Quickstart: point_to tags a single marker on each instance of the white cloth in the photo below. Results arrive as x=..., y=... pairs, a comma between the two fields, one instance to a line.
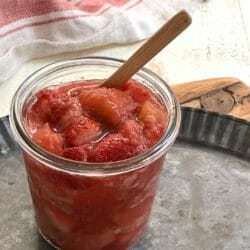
x=36, y=28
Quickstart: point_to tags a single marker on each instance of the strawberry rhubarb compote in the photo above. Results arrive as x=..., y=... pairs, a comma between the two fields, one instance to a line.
x=93, y=155
x=89, y=123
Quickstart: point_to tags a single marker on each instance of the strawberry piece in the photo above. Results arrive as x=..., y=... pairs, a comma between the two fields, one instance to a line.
x=82, y=132
x=116, y=147
x=139, y=93
x=48, y=139
x=154, y=119
x=65, y=111
x=42, y=106
x=109, y=105
x=133, y=130
x=52, y=106
x=77, y=153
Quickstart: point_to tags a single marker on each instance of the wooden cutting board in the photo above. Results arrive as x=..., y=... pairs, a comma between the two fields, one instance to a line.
x=226, y=95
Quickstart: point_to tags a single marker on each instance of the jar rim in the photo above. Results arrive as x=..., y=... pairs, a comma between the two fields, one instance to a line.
x=90, y=168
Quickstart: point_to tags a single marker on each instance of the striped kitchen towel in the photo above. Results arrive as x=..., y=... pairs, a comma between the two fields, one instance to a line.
x=36, y=28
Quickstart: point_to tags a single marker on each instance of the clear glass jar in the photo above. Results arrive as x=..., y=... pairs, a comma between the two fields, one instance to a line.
x=91, y=205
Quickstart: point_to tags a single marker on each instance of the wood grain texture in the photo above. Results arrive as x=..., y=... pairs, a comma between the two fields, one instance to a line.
x=149, y=49
x=223, y=95
x=191, y=90
x=218, y=101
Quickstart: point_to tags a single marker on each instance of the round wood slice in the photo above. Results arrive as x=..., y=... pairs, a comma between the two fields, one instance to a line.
x=224, y=95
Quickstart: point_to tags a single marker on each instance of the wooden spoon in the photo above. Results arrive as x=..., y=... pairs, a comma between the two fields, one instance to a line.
x=148, y=50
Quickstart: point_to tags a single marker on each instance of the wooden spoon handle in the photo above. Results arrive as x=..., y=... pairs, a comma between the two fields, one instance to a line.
x=156, y=43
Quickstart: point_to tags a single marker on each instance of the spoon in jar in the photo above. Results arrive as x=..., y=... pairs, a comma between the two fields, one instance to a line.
x=169, y=31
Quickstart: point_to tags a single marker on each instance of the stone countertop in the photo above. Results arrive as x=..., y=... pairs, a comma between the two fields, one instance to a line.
x=217, y=44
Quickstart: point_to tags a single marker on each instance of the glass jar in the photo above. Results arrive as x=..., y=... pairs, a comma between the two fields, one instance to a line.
x=91, y=205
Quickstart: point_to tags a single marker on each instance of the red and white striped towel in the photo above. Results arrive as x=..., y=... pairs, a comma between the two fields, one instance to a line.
x=36, y=28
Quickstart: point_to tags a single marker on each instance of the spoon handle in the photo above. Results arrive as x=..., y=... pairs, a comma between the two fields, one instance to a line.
x=149, y=49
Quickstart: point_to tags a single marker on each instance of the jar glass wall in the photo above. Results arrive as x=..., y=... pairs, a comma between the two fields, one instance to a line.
x=91, y=205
